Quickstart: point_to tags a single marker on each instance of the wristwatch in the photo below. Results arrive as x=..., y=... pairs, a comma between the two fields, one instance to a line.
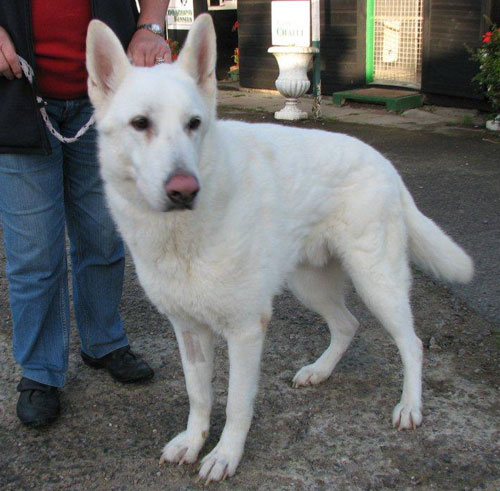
x=156, y=28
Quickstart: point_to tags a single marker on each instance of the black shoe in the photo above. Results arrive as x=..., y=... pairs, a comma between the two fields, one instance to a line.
x=38, y=404
x=122, y=364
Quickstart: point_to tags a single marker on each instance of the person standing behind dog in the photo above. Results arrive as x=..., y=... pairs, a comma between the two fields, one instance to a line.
x=48, y=186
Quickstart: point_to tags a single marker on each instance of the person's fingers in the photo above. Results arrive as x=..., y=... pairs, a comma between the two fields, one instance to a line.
x=5, y=69
x=138, y=58
x=168, y=57
x=9, y=64
x=165, y=54
x=150, y=54
x=11, y=57
x=159, y=57
x=156, y=50
x=146, y=48
x=137, y=49
x=136, y=55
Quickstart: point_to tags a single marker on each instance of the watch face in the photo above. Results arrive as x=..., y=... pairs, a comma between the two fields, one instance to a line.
x=153, y=28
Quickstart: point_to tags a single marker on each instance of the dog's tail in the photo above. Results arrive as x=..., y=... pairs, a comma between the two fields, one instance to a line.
x=431, y=248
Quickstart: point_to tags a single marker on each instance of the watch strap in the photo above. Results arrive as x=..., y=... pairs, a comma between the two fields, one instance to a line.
x=156, y=28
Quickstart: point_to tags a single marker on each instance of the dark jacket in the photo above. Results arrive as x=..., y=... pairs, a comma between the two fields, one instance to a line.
x=22, y=129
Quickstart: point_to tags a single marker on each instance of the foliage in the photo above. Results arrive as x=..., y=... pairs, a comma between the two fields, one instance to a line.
x=236, y=56
x=174, y=48
x=488, y=57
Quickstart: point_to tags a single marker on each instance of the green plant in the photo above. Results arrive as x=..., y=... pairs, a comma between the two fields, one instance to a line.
x=174, y=48
x=488, y=57
x=236, y=56
x=466, y=121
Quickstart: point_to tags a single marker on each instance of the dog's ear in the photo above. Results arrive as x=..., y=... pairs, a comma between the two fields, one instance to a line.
x=107, y=63
x=199, y=54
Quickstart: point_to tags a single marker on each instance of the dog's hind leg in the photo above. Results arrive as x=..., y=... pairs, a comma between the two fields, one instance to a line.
x=322, y=290
x=383, y=282
x=196, y=348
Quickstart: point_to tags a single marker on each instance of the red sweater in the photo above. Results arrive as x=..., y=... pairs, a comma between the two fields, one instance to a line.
x=59, y=31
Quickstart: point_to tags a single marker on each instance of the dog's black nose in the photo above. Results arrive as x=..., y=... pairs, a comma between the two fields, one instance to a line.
x=182, y=188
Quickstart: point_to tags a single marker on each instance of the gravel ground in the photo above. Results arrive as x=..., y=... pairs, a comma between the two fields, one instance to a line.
x=333, y=436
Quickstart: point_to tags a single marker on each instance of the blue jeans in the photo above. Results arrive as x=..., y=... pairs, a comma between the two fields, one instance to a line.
x=42, y=198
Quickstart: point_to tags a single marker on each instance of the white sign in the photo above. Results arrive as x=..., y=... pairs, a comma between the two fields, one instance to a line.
x=291, y=23
x=222, y=4
x=180, y=14
x=391, y=38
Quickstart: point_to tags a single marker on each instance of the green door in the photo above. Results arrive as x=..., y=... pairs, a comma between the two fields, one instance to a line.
x=394, y=42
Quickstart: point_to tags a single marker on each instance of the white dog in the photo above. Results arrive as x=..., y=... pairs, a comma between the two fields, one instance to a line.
x=220, y=215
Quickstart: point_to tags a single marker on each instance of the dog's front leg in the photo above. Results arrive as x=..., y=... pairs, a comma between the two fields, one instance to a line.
x=245, y=349
x=196, y=348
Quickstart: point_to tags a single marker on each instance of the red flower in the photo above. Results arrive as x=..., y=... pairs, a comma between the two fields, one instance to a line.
x=175, y=56
x=488, y=35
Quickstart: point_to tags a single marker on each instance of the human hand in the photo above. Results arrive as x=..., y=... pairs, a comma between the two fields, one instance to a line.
x=146, y=46
x=9, y=64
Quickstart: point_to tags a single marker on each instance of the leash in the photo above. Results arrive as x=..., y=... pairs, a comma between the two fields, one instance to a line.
x=29, y=74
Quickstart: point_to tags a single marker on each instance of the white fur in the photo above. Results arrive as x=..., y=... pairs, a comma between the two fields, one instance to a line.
x=277, y=205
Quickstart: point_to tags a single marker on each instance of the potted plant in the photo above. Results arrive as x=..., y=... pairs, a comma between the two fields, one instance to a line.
x=234, y=70
x=488, y=57
x=174, y=48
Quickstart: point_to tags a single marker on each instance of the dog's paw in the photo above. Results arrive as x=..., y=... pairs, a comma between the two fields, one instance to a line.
x=309, y=375
x=184, y=448
x=219, y=464
x=406, y=416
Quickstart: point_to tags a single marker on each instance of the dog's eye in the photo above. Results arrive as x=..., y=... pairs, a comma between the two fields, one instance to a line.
x=140, y=123
x=194, y=123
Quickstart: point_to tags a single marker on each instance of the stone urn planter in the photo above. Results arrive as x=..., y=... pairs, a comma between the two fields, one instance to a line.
x=292, y=82
x=494, y=124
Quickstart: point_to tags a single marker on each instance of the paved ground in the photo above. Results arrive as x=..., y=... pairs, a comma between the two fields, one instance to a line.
x=333, y=436
x=427, y=117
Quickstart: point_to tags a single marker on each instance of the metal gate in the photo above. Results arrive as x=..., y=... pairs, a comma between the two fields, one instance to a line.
x=397, y=42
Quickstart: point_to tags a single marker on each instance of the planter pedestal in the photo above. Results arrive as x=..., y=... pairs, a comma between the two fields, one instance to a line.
x=292, y=82
x=494, y=124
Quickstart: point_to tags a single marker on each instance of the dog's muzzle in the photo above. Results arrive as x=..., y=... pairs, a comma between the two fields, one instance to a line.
x=181, y=188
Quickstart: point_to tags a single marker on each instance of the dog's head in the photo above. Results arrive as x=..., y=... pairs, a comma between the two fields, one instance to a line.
x=152, y=121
